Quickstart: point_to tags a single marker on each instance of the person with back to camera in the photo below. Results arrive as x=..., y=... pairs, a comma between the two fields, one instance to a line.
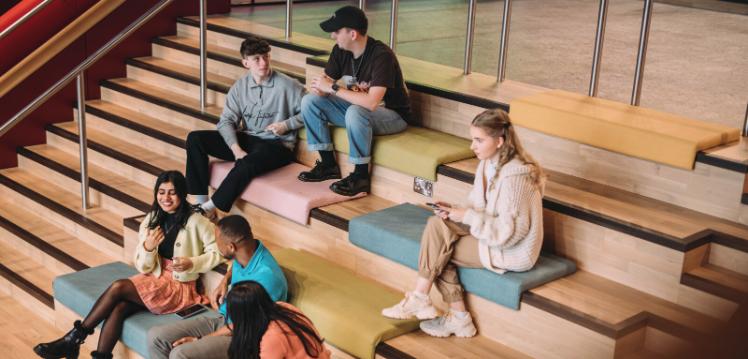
x=361, y=90
x=265, y=329
x=500, y=229
x=175, y=245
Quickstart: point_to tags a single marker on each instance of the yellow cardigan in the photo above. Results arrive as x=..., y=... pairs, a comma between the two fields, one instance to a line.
x=196, y=241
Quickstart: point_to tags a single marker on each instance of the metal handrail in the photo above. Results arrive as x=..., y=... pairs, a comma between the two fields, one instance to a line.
x=641, y=57
x=393, y=24
x=467, y=65
x=78, y=72
x=289, y=14
x=504, y=44
x=602, y=19
x=203, y=56
x=25, y=17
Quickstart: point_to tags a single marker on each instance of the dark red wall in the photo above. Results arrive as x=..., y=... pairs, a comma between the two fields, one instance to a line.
x=48, y=22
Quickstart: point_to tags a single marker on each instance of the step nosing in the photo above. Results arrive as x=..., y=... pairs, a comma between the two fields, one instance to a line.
x=196, y=51
x=42, y=245
x=145, y=130
x=705, y=158
x=27, y=286
x=104, y=150
x=76, y=176
x=707, y=285
x=62, y=210
x=189, y=78
x=177, y=107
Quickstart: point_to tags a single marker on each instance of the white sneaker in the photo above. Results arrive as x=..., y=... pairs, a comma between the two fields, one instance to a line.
x=450, y=324
x=411, y=306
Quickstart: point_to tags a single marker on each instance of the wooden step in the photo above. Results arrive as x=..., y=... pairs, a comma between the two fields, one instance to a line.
x=178, y=79
x=420, y=345
x=26, y=281
x=130, y=161
x=720, y=281
x=25, y=328
x=108, y=190
x=151, y=96
x=156, y=103
x=138, y=129
x=229, y=32
x=97, y=227
x=221, y=60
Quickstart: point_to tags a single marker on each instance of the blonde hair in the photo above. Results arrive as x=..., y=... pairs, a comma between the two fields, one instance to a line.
x=496, y=123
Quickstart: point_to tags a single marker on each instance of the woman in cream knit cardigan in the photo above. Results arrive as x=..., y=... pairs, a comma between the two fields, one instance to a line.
x=500, y=229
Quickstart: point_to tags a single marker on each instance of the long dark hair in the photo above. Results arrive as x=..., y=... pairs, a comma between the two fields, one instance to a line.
x=251, y=310
x=184, y=211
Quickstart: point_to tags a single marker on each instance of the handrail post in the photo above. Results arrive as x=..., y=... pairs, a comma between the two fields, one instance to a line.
x=83, y=142
x=602, y=19
x=642, y=56
x=468, y=64
x=203, y=56
x=289, y=5
x=362, y=4
x=393, y=25
x=506, y=19
x=745, y=122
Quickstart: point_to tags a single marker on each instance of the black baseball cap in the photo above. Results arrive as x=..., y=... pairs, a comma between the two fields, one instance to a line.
x=347, y=16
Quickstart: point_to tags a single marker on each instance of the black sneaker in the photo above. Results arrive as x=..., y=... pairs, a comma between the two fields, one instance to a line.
x=320, y=173
x=351, y=185
x=211, y=216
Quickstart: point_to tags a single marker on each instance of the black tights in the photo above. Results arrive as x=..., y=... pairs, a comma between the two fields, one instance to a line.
x=120, y=301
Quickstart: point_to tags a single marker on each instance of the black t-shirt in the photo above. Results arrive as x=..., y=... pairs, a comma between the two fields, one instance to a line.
x=377, y=66
x=170, y=227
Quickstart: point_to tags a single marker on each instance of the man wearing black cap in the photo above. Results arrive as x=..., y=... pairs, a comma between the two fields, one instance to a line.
x=362, y=90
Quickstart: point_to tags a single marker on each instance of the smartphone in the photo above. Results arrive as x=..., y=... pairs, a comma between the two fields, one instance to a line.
x=191, y=311
x=433, y=206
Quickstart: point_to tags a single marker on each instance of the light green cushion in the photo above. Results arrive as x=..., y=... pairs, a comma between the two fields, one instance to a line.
x=416, y=151
x=344, y=307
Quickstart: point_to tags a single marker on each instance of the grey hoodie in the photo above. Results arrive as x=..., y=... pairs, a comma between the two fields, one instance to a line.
x=250, y=108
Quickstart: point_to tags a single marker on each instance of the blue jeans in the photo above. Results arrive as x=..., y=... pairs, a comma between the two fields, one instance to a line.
x=360, y=123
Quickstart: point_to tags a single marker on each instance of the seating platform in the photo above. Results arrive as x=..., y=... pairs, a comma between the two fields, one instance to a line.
x=416, y=151
x=281, y=192
x=395, y=233
x=630, y=130
x=344, y=307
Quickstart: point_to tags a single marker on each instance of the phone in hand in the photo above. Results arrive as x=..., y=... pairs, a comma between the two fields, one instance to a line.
x=191, y=311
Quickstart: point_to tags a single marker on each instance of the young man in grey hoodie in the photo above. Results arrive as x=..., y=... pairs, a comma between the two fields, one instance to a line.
x=257, y=129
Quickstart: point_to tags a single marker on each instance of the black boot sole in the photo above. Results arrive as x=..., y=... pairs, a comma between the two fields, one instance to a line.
x=321, y=179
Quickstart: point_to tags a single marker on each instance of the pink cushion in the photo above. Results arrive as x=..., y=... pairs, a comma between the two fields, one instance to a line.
x=281, y=192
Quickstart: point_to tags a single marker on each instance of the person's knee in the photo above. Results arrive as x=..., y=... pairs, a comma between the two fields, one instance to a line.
x=193, y=139
x=311, y=100
x=356, y=117
x=179, y=352
x=119, y=287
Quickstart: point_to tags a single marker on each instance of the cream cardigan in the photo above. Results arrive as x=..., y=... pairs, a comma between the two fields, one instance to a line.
x=509, y=221
x=196, y=241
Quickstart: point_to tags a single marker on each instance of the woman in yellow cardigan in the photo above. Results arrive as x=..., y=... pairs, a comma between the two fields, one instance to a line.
x=175, y=246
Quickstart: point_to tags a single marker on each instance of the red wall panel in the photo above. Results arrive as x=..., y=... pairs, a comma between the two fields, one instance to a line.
x=38, y=29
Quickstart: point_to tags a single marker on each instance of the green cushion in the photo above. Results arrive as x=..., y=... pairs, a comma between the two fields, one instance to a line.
x=416, y=151
x=344, y=307
x=395, y=233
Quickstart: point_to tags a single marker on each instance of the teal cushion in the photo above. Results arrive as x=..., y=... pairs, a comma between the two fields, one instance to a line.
x=395, y=233
x=80, y=290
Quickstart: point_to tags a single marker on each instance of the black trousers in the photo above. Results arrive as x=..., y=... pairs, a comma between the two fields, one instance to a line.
x=262, y=156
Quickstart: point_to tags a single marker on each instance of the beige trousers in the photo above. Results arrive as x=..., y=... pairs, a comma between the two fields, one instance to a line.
x=444, y=246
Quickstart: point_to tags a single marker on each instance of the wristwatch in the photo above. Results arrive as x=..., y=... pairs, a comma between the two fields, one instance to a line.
x=335, y=87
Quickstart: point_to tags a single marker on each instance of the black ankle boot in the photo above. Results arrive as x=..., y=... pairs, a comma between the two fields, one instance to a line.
x=97, y=355
x=66, y=347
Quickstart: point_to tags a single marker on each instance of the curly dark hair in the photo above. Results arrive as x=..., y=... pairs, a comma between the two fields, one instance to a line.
x=254, y=46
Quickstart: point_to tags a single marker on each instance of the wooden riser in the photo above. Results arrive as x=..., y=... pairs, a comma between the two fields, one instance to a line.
x=285, y=56
x=728, y=258
x=175, y=86
x=72, y=185
x=149, y=109
x=187, y=59
x=26, y=281
x=90, y=236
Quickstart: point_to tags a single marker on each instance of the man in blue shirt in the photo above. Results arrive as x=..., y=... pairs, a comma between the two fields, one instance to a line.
x=206, y=337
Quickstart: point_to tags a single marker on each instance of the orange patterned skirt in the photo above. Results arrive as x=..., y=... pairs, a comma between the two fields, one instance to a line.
x=164, y=295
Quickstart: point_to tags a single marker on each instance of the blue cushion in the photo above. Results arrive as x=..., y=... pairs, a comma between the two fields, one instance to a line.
x=395, y=233
x=80, y=290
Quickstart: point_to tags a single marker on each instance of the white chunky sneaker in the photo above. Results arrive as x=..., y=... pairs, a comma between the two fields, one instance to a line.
x=450, y=324
x=411, y=306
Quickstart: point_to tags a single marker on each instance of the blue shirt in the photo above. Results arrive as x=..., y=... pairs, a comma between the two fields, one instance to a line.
x=263, y=269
